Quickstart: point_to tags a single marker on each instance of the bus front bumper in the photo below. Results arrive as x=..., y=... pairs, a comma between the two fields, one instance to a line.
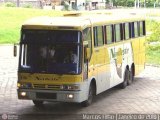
x=50, y=95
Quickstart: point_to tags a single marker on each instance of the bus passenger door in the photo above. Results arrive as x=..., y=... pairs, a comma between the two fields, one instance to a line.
x=88, y=69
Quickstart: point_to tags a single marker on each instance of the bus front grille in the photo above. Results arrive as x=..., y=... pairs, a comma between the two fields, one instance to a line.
x=45, y=86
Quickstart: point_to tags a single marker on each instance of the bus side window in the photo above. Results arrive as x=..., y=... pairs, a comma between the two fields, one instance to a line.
x=142, y=28
x=108, y=30
x=136, y=29
x=98, y=36
x=132, y=30
x=126, y=31
x=121, y=31
x=117, y=32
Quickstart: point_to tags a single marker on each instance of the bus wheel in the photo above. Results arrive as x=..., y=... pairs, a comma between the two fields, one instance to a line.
x=129, y=82
x=126, y=77
x=38, y=103
x=132, y=74
x=90, y=96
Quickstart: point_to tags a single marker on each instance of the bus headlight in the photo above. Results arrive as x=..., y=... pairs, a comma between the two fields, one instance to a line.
x=70, y=96
x=70, y=87
x=23, y=94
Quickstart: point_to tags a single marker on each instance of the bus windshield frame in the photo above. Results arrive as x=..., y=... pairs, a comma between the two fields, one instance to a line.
x=51, y=51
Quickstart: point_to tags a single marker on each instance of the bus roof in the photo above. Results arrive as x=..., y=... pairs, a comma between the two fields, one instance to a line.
x=78, y=22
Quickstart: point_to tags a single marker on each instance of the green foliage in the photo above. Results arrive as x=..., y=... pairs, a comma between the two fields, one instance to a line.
x=149, y=3
x=153, y=54
x=107, y=1
x=155, y=31
x=130, y=3
x=153, y=50
x=27, y=6
x=10, y=4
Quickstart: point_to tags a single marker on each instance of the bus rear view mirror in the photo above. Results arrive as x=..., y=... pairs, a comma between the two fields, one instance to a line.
x=15, y=50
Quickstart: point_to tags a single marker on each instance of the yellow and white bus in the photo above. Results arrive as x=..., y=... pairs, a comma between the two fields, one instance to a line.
x=75, y=57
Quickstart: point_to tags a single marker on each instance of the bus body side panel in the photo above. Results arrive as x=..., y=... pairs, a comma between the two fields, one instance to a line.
x=136, y=55
x=102, y=67
x=138, y=46
x=141, y=54
x=120, y=57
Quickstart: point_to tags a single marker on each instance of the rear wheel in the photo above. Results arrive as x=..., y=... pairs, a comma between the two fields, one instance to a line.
x=38, y=103
x=132, y=74
x=126, y=79
x=90, y=96
x=129, y=82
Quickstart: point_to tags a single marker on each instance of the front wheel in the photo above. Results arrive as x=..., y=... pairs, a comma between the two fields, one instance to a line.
x=90, y=97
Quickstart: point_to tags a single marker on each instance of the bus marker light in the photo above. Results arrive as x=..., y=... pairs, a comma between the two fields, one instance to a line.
x=18, y=85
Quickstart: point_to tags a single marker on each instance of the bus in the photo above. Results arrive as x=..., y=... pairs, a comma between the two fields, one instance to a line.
x=108, y=51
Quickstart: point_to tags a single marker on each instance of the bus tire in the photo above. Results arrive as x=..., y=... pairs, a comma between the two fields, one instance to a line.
x=129, y=82
x=125, y=81
x=38, y=103
x=132, y=74
x=90, y=96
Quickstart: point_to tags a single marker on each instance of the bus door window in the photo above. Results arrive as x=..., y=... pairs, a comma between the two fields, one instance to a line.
x=87, y=38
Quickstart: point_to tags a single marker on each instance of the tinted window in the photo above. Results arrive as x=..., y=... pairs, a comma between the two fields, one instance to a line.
x=142, y=28
x=126, y=30
x=117, y=32
x=109, y=34
x=136, y=29
x=98, y=36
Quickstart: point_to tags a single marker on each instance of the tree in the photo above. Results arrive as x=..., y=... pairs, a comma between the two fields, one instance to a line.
x=107, y=1
x=130, y=3
x=17, y=3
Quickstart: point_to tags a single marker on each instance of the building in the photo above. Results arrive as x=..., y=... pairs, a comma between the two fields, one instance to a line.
x=77, y=4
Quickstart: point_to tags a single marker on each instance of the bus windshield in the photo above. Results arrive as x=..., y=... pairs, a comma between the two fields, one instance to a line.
x=56, y=52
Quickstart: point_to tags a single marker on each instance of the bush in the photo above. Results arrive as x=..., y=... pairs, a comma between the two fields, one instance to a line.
x=28, y=6
x=153, y=48
x=10, y=4
x=155, y=31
